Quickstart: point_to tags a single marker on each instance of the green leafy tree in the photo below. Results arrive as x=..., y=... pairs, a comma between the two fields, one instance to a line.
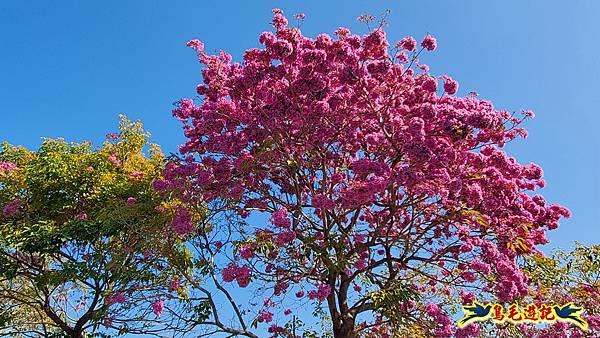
x=85, y=242
x=565, y=276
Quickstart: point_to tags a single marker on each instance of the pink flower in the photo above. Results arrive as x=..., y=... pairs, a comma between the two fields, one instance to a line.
x=429, y=43
x=117, y=297
x=175, y=284
x=182, y=222
x=450, y=86
x=432, y=309
x=196, y=45
x=158, y=307
x=280, y=218
x=287, y=312
x=375, y=44
x=160, y=185
x=429, y=85
x=265, y=316
x=408, y=43
x=6, y=167
x=11, y=208
x=137, y=174
x=322, y=201
x=360, y=238
x=468, y=276
x=402, y=58
x=246, y=252
x=471, y=330
x=277, y=331
x=416, y=127
x=480, y=266
x=285, y=238
x=279, y=21
x=321, y=293
x=82, y=216
x=268, y=302
x=233, y=272
x=466, y=247
x=337, y=177
x=280, y=288
x=114, y=160
x=300, y=294
x=360, y=264
x=467, y=297
x=243, y=277
x=131, y=201
x=342, y=32
x=229, y=272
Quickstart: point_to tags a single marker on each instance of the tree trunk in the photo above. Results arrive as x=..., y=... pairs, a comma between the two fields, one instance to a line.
x=345, y=330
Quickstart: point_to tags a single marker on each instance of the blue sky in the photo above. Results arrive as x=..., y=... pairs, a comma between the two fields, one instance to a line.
x=68, y=68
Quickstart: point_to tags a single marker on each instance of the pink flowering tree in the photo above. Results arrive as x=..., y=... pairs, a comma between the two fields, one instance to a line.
x=340, y=173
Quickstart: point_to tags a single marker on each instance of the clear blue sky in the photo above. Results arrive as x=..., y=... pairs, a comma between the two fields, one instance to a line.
x=67, y=68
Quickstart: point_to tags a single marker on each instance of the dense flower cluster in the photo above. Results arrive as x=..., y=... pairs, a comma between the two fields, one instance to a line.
x=158, y=307
x=265, y=316
x=408, y=43
x=175, y=284
x=429, y=43
x=450, y=85
x=321, y=293
x=182, y=222
x=11, y=208
x=241, y=274
x=115, y=298
x=6, y=167
x=444, y=324
x=131, y=201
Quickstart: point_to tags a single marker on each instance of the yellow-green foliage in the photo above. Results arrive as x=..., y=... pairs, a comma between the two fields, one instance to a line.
x=69, y=191
x=84, y=220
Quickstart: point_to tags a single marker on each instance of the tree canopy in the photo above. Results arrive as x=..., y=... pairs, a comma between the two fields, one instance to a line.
x=84, y=238
x=389, y=198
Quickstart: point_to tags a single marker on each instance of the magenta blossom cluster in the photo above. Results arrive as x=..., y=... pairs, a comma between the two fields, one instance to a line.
x=241, y=274
x=131, y=201
x=11, y=208
x=182, y=222
x=321, y=293
x=6, y=167
x=158, y=307
x=115, y=298
x=175, y=284
x=443, y=322
x=265, y=316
